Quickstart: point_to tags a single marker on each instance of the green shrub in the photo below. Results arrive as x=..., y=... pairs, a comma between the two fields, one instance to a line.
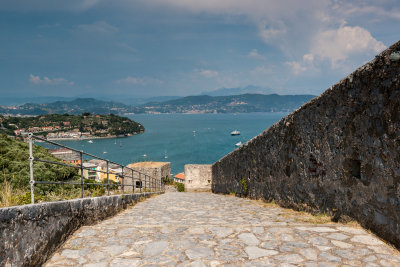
x=180, y=187
x=243, y=185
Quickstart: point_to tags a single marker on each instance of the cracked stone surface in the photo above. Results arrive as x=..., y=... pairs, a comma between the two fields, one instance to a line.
x=204, y=229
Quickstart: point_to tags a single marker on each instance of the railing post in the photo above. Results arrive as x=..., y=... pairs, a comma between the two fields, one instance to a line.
x=140, y=180
x=82, y=187
x=123, y=179
x=145, y=183
x=108, y=179
x=133, y=184
x=31, y=158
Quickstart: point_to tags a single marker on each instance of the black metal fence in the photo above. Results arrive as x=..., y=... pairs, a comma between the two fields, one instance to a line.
x=139, y=181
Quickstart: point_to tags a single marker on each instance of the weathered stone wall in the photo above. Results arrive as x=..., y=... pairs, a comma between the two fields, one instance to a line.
x=339, y=153
x=159, y=171
x=197, y=178
x=29, y=234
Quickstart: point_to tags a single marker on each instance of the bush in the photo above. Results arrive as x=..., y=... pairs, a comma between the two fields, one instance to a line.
x=180, y=187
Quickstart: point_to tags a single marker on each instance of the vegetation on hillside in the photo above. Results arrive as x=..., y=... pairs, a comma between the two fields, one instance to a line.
x=98, y=125
x=179, y=186
x=240, y=103
x=14, y=171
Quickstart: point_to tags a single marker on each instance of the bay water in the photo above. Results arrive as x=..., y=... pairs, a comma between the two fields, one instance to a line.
x=179, y=138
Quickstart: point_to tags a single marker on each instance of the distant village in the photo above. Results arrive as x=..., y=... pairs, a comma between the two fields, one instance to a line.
x=64, y=127
x=96, y=169
x=64, y=132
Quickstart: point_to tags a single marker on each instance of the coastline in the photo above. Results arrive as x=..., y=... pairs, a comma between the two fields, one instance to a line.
x=88, y=138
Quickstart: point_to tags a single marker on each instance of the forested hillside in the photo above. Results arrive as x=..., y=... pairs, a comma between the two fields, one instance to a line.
x=14, y=167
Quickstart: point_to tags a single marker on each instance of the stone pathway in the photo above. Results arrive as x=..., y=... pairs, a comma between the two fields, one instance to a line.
x=204, y=229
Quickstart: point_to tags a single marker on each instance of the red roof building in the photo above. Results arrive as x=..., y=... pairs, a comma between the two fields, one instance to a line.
x=180, y=177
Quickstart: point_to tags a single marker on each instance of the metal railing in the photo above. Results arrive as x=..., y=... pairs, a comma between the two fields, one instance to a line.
x=142, y=180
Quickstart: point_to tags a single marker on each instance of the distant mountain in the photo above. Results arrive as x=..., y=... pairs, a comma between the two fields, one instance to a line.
x=251, y=89
x=135, y=101
x=74, y=107
x=227, y=104
x=14, y=101
x=190, y=104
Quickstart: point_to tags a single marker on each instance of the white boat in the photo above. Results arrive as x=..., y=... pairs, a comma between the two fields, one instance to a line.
x=105, y=152
x=238, y=144
x=235, y=132
x=90, y=141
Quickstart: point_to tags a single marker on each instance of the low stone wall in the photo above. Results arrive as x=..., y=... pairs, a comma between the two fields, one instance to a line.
x=29, y=234
x=339, y=153
x=198, y=178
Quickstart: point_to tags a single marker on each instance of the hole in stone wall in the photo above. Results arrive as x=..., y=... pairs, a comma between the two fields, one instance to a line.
x=353, y=168
x=287, y=170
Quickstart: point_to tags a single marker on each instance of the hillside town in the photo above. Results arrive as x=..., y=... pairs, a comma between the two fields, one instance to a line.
x=70, y=127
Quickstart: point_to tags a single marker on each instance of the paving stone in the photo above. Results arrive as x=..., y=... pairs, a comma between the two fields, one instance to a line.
x=71, y=254
x=155, y=248
x=255, y=252
x=341, y=244
x=249, y=239
x=337, y=236
x=114, y=249
x=204, y=229
x=309, y=254
x=197, y=263
x=318, y=240
x=97, y=264
x=199, y=252
x=221, y=232
x=367, y=239
x=291, y=258
x=122, y=262
x=329, y=257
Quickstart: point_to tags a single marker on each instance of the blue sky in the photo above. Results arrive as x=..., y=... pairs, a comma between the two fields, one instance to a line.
x=185, y=47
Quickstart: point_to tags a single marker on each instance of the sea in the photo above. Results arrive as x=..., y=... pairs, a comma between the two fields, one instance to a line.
x=179, y=138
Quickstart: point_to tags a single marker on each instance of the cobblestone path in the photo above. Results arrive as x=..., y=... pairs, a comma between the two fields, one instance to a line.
x=204, y=229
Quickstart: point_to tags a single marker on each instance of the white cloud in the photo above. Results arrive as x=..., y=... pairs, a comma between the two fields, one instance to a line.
x=49, y=5
x=308, y=58
x=262, y=70
x=270, y=32
x=100, y=27
x=138, y=80
x=255, y=55
x=339, y=44
x=296, y=67
x=36, y=80
x=354, y=8
x=207, y=73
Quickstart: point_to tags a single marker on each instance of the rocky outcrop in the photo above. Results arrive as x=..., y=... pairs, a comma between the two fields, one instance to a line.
x=339, y=153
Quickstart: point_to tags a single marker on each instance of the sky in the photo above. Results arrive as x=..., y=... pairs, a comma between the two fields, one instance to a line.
x=144, y=48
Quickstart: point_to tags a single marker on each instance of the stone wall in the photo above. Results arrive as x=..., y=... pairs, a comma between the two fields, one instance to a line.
x=339, y=153
x=29, y=234
x=157, y=170
x=197, y=178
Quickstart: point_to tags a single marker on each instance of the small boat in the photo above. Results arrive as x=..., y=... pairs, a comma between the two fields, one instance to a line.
x=144, y=155
x=238, y=144
x=90, y=141
x=235, y=132
x=194, y=133
x=105, y=152
x=165, y=155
